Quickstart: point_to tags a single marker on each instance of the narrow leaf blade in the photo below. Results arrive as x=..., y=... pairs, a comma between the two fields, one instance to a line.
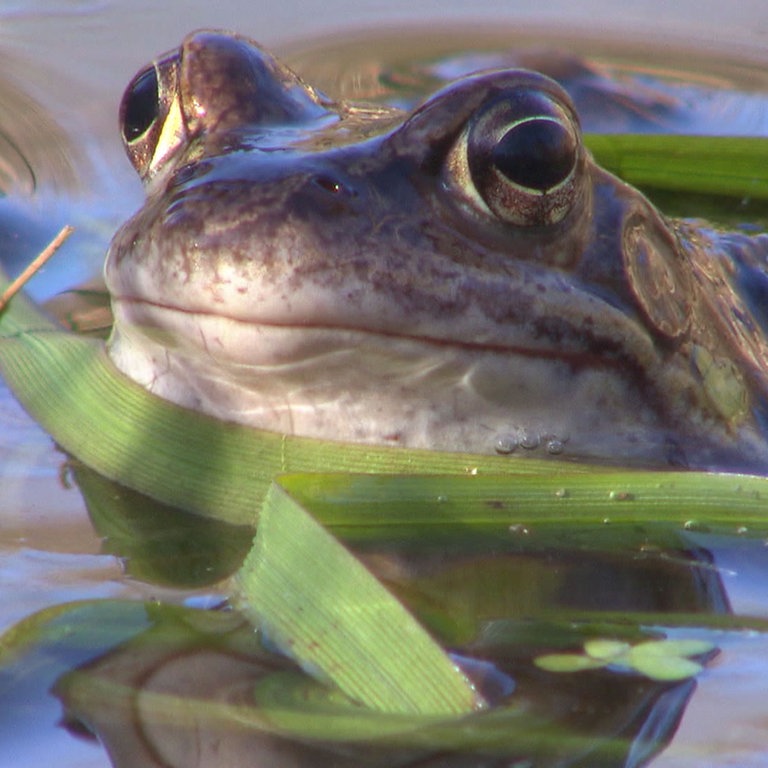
x=315, y=599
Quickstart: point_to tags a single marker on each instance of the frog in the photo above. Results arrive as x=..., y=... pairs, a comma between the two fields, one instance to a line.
x=459, y=275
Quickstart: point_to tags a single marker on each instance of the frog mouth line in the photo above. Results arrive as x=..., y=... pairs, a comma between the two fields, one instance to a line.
x=310, y=339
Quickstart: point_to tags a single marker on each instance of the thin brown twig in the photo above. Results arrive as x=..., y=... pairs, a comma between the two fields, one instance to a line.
x=34, y=265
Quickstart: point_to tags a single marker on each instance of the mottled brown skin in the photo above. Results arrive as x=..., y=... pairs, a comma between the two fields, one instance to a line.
x=321, y=268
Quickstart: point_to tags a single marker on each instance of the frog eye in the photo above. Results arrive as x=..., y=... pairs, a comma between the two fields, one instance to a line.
x=140, y=107
x=151, y=122
x=518, y=158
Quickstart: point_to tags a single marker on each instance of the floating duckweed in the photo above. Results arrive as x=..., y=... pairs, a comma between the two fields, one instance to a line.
x=662, y=660
x=678, y=646
x=567, y=662
x=663, y=668
x=668, y=659
x=601, y=648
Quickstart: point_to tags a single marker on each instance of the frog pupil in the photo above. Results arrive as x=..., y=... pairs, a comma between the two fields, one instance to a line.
x=538, y=153
x=140, y=108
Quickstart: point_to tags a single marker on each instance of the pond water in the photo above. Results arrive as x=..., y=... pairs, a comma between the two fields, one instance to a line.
x=63, y=67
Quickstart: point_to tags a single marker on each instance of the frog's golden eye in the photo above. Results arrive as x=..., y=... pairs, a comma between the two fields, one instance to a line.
x=518, y=158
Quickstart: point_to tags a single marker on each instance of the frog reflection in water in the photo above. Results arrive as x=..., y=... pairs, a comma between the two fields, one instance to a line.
x=463, y=277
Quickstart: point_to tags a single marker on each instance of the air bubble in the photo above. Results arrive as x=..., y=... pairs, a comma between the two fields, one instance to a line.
x=555, y=447
x=506, y=444
x=529, y=440
x=695, y=525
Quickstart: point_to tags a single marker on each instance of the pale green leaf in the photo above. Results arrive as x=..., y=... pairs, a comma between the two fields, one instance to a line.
x=605, y=650
x=673, y=647
x=664, y=668
x=568, y=662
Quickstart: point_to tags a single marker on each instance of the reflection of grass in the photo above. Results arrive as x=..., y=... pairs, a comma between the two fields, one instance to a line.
x=662, y=660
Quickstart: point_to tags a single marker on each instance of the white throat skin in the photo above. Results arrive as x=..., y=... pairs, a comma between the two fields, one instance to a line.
x=364, y=388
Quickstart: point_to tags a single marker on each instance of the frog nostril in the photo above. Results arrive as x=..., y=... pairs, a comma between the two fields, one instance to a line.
x=330, y=184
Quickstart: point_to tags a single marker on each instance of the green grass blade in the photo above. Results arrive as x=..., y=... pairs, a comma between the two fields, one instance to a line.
x=314, y=598
x=682, y=499
x=719, y=165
